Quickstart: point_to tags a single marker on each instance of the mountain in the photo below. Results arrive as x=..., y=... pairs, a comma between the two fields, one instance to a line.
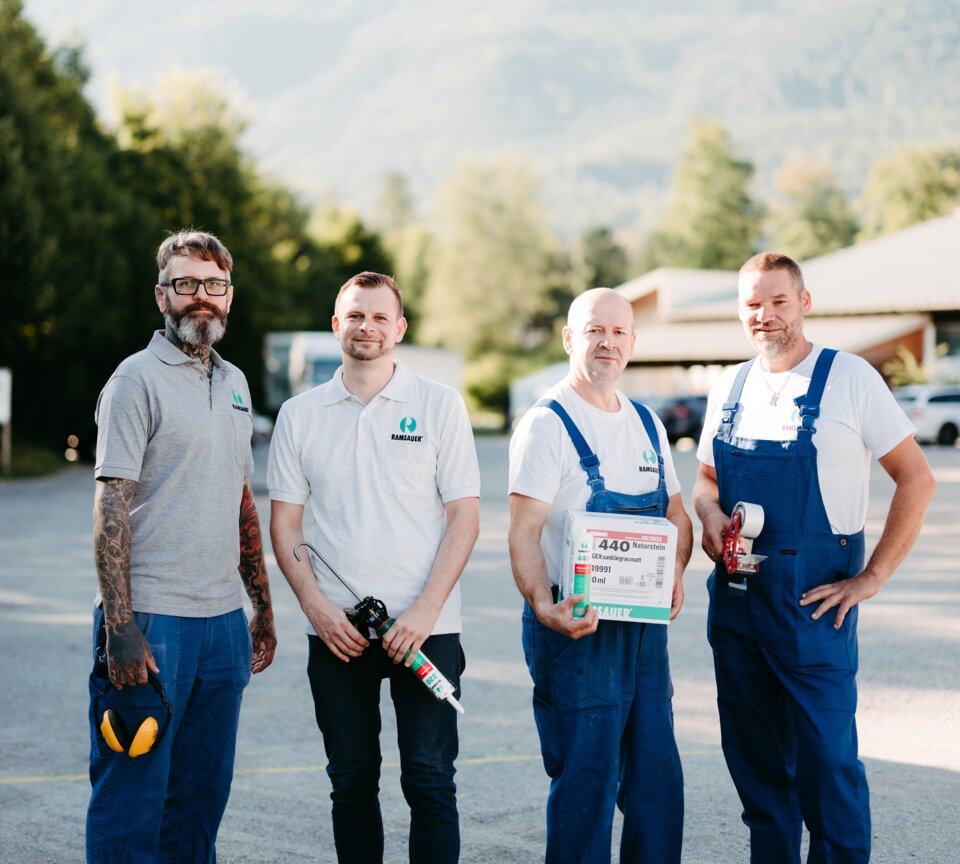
x=596, y=96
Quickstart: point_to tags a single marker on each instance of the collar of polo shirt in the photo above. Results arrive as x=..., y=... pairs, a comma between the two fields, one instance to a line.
x=166, y=351
x=399, y=388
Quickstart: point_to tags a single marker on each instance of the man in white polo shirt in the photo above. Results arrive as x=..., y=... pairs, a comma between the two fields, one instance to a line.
x=387, y=464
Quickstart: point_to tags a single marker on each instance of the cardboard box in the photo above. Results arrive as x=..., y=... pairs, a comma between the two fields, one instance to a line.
x=623, y=564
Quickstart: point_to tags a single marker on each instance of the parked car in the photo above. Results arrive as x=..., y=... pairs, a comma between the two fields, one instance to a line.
x=682, y=416
x=934, y=410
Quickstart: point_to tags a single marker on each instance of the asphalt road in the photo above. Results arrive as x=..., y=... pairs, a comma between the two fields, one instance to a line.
x=909, y=715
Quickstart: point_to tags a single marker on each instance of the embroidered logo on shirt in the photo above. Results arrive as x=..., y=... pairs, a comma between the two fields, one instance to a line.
x=407, y=425
x=238, y=402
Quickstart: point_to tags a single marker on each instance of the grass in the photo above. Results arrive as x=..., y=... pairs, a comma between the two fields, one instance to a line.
x=27, y=460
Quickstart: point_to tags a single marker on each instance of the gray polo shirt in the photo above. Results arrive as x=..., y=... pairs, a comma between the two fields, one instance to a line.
x=185, y=440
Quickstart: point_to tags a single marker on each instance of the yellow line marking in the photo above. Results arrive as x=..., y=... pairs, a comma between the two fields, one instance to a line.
x=23, y=779
x=42, y=778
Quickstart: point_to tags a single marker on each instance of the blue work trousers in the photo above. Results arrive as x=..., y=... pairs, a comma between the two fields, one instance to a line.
x=603, y=708
x=346, y=699
x=166, y=805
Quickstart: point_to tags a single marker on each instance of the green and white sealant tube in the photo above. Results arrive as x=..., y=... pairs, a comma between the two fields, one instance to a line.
x=582, y=571
x=432, y=678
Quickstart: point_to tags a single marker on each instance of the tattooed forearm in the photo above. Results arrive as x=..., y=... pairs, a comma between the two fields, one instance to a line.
x=253, y=571
x=127, y=650
x=112, y=546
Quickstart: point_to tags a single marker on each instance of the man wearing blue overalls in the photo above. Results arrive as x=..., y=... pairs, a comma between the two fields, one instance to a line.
x=793, y=431
x=602, y=696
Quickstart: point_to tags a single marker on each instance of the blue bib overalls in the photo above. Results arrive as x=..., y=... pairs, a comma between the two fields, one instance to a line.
x=786, y=684
x=602, y=706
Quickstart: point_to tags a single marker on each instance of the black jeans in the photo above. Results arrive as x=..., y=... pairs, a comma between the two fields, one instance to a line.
x=346, y=698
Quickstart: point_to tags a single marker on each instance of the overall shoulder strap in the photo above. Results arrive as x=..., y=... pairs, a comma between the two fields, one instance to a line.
x=809, y=402
x=732, y=403
x=649, y=426
x=651, y=429
x=589, y=460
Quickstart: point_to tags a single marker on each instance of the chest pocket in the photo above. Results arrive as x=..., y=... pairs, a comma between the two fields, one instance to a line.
x=409, y=470
x=243, y=435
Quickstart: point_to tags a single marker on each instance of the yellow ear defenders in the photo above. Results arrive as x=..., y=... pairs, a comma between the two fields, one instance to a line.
x=114, y=731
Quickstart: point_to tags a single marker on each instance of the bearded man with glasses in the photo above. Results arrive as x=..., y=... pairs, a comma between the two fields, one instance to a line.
x=177, y=542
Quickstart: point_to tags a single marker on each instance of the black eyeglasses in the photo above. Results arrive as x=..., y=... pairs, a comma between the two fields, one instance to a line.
x=189, y=286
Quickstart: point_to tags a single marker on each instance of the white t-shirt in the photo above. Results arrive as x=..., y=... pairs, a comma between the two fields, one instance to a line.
x=375, y=479
x=858, y=416
x=544, y=463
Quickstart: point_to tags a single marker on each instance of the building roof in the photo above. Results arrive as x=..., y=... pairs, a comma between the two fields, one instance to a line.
x=725, y=342
x=913, y=270
x=678, y=287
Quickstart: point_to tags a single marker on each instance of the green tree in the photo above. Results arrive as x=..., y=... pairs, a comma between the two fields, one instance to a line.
x=916, y=183
x=349, y=246
x=812, y=216
x=711, y=222
x=68, y=234
x=604, y=261
x=407, y=242
x=183, y=156
x=494, y=286
x=395, y=208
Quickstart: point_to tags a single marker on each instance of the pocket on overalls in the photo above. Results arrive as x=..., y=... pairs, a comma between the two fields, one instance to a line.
x=813, y=643
x=729, y=608
x=585, y=672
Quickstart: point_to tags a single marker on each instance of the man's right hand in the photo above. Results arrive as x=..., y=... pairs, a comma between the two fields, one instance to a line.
x=559, y=617
x=128, y=655
x=714, y=522
x=706, y=501
x=332, y=625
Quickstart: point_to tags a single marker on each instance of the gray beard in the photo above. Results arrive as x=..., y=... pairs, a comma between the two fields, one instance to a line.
x=197, y=333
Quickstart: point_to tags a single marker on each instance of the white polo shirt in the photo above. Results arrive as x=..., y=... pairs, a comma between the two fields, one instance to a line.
x=374, y=479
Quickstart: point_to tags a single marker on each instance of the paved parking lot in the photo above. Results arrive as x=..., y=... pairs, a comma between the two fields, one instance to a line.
x=279, y=811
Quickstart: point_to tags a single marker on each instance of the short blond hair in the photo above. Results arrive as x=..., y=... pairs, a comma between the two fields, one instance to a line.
x=369, y=279
x=766, y=262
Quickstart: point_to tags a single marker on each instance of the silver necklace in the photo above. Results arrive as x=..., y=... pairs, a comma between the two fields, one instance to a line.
x=774, y=394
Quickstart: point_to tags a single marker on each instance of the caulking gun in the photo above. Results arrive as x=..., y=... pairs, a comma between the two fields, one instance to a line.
x=370, y=612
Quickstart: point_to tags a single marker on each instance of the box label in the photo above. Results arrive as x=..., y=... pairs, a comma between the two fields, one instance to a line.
x=622, y=565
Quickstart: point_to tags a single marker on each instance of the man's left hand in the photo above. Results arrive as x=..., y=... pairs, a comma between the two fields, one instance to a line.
x=409, y=631
x=676, y=602
x=844, y=594
x=264, y=637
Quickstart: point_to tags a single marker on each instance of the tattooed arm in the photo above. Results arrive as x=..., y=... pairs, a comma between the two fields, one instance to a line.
x=128, y=654
x=253, y=572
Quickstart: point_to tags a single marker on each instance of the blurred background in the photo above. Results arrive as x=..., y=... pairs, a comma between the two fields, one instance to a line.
x=497, y=158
